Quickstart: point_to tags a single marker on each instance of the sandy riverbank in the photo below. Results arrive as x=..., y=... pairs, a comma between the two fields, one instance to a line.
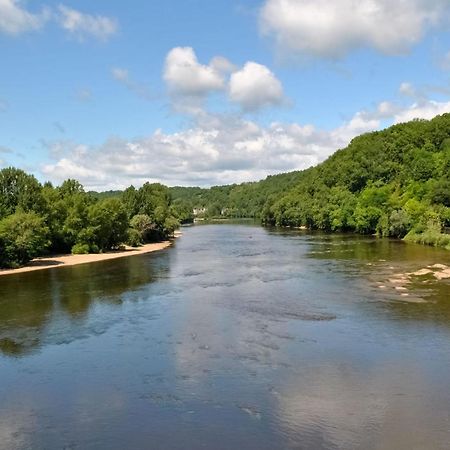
x=52, y=262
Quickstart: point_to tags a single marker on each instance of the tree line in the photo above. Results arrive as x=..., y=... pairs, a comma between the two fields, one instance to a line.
x=40, y=219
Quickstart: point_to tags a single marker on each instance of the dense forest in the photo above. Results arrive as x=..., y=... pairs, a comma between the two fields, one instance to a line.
x=394, y=182
x=37, y=219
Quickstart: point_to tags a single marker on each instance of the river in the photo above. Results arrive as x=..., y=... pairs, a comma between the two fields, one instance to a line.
x=236, y=337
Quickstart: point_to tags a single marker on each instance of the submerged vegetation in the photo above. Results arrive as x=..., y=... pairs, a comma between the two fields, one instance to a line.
x=394, y=182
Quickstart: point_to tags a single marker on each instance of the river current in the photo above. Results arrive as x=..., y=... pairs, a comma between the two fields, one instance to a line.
x=236, y=337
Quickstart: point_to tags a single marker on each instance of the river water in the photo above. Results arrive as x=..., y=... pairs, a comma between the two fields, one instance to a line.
x=237, y=337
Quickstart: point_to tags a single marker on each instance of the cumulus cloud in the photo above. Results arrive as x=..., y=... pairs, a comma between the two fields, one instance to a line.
x=185, y=76
x=215, y=150
x=423, y=110
x=222, y=65
x=84, y=25
x=220, y=149
x=15, y=19
x=189, y=82
x=323, y=28
x=254, y=87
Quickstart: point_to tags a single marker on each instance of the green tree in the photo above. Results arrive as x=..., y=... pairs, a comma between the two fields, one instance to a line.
x=18, y=190
x=143, y=226
x=23, y=236
x=108, y=222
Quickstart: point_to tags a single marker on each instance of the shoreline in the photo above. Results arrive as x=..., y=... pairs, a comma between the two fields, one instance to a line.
x=53, y=262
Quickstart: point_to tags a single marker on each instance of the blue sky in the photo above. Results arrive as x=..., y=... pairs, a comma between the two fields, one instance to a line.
x=198, y=92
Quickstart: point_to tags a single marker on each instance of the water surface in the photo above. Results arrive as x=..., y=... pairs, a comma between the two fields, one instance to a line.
x=237, y=337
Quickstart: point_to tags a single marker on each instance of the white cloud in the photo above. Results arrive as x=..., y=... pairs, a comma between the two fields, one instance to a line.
x=215, y=150
x=254, y=87
x=222, y=65
x=407, y=89
x=185, y=76
x=424, y=110
x=219, y=149
x=84, y=25
x=15, y=19
x=323, y=28
x=189, y=82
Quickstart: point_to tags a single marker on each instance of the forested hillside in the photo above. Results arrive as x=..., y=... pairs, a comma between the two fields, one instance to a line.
x=237, y=200
x=392, y=182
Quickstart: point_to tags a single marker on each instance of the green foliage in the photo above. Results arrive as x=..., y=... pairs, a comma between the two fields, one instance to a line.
x=67, y=219
x=18, y=190
x=170, y=225
x=399, y=223
x=391, y=182
x=22, y=237
x=134, y=238
x=109, y=224
x=80, y=249
x=143, y=227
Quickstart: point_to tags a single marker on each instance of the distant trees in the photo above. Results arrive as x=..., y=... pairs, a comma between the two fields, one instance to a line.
x=36, y=219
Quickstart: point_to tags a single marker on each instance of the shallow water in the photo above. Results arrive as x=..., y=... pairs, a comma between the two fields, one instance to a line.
x=236, y=337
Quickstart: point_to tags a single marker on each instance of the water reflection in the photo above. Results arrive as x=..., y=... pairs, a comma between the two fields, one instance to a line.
x=391, y=406
x=236, y=337
x=31, y=304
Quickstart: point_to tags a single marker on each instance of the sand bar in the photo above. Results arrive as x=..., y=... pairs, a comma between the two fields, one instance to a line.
x=52, y=262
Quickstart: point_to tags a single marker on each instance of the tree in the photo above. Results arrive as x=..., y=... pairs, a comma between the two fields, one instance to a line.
x=23, y=236
x=18, y=190
x=143, y=225
x=108, y=222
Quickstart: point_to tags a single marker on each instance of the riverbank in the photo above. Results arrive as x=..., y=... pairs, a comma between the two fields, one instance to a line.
x=51, y=262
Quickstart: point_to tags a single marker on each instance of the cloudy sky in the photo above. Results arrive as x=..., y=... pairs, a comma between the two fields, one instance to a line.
x=201, y=92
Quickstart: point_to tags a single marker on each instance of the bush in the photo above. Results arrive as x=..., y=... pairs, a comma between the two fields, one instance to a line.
x=400, y=223
x=23, y=236
x=429, y=237
x=80, y=249
x=134, y=238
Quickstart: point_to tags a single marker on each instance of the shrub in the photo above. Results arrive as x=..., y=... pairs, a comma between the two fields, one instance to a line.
x=134, y=238
x=80, y=249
